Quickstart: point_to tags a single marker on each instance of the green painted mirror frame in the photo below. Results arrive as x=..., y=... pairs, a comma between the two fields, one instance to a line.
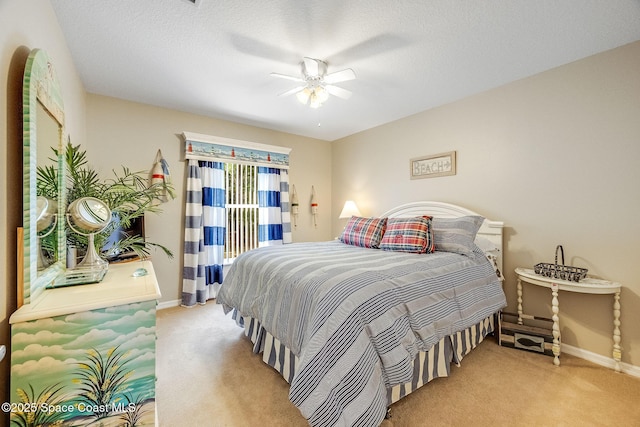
x=41, y=88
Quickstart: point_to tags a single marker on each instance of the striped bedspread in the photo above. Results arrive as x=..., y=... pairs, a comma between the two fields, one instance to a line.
x=356, y=317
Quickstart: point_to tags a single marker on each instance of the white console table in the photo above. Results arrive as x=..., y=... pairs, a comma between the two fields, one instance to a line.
x=587, y=285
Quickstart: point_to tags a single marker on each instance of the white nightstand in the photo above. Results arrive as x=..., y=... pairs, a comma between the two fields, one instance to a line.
x=587, y=285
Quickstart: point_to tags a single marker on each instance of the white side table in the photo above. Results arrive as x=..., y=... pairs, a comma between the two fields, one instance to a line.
x=587, y=285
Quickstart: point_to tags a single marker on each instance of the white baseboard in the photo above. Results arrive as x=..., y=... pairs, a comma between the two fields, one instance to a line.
x=168, y=304
x=598, y=359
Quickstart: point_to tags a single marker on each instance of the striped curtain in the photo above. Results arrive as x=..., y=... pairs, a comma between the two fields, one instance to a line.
x=274, y=216
x=204, y=232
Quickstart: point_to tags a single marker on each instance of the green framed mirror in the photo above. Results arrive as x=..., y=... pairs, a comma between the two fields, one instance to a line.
x=43, y=132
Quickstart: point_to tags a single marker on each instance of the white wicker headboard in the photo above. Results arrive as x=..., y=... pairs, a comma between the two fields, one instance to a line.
x=490, y=230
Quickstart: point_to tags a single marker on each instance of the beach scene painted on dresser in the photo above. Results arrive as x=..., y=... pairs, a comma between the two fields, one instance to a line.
x=93, y=368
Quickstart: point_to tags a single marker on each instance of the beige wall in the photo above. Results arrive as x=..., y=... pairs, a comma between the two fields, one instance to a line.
x=24, y=25
x=129, y=134
x=555, y=156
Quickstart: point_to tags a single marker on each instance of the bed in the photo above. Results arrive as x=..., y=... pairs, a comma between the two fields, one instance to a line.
x=354, y=328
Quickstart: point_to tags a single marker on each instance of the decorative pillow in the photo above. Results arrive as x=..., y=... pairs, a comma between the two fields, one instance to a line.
x=491, y=251
x=408, y=235
x=456, y=234
x=364, y=232
x=486, y=245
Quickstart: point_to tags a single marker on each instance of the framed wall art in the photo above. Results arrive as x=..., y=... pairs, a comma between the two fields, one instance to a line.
x=432, y=166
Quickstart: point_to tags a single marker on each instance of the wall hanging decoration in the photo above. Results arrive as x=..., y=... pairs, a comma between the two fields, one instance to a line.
x=314, y=207
x=295, y=206
x=160, y=175
x=432, y=166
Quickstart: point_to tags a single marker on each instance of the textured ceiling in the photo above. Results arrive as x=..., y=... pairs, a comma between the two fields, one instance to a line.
x=215, y=58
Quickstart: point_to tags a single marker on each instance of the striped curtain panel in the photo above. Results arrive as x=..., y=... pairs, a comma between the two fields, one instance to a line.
x=285, y=206
x=204, y=232
x=274, y=217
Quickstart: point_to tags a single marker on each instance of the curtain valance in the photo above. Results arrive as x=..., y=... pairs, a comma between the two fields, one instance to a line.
x=214, y=148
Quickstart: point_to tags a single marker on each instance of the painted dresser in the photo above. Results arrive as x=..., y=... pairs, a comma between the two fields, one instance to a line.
x=85, y=355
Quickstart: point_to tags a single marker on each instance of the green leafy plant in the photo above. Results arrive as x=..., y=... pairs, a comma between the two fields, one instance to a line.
x=128, y=194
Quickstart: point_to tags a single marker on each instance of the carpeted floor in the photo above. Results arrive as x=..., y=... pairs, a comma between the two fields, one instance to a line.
x=208, y=376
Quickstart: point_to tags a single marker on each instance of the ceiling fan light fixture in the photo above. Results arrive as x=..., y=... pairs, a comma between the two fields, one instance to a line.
x=317, y=96
x=304, y=95
x=314, y=100
x=317, y=84
x=321, y=94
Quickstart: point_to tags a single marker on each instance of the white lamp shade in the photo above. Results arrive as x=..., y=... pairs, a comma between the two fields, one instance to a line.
x=350, y=209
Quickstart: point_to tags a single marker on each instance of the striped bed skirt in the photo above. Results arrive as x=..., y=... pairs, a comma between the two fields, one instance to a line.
x=427, y=365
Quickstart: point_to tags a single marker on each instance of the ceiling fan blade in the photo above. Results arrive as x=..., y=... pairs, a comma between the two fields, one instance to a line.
x=285, y=76
x=292, y=91
x=338, y=91
x=340, y=76
x=311, y=66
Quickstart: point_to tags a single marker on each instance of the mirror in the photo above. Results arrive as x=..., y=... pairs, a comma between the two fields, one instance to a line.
x=47, y=130
x=46, y=220
x=88, y=216
x=43, y=129
x=46, y=214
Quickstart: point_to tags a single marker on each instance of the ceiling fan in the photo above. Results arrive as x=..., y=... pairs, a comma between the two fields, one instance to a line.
x=317, y=84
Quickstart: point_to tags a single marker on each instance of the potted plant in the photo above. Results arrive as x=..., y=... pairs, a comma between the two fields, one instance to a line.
x=128, y=194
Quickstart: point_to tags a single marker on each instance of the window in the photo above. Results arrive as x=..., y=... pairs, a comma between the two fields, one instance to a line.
x=241, y=210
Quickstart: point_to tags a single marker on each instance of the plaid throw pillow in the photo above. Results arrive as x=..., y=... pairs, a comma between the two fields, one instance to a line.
x=408, y=235
x=364, y=232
